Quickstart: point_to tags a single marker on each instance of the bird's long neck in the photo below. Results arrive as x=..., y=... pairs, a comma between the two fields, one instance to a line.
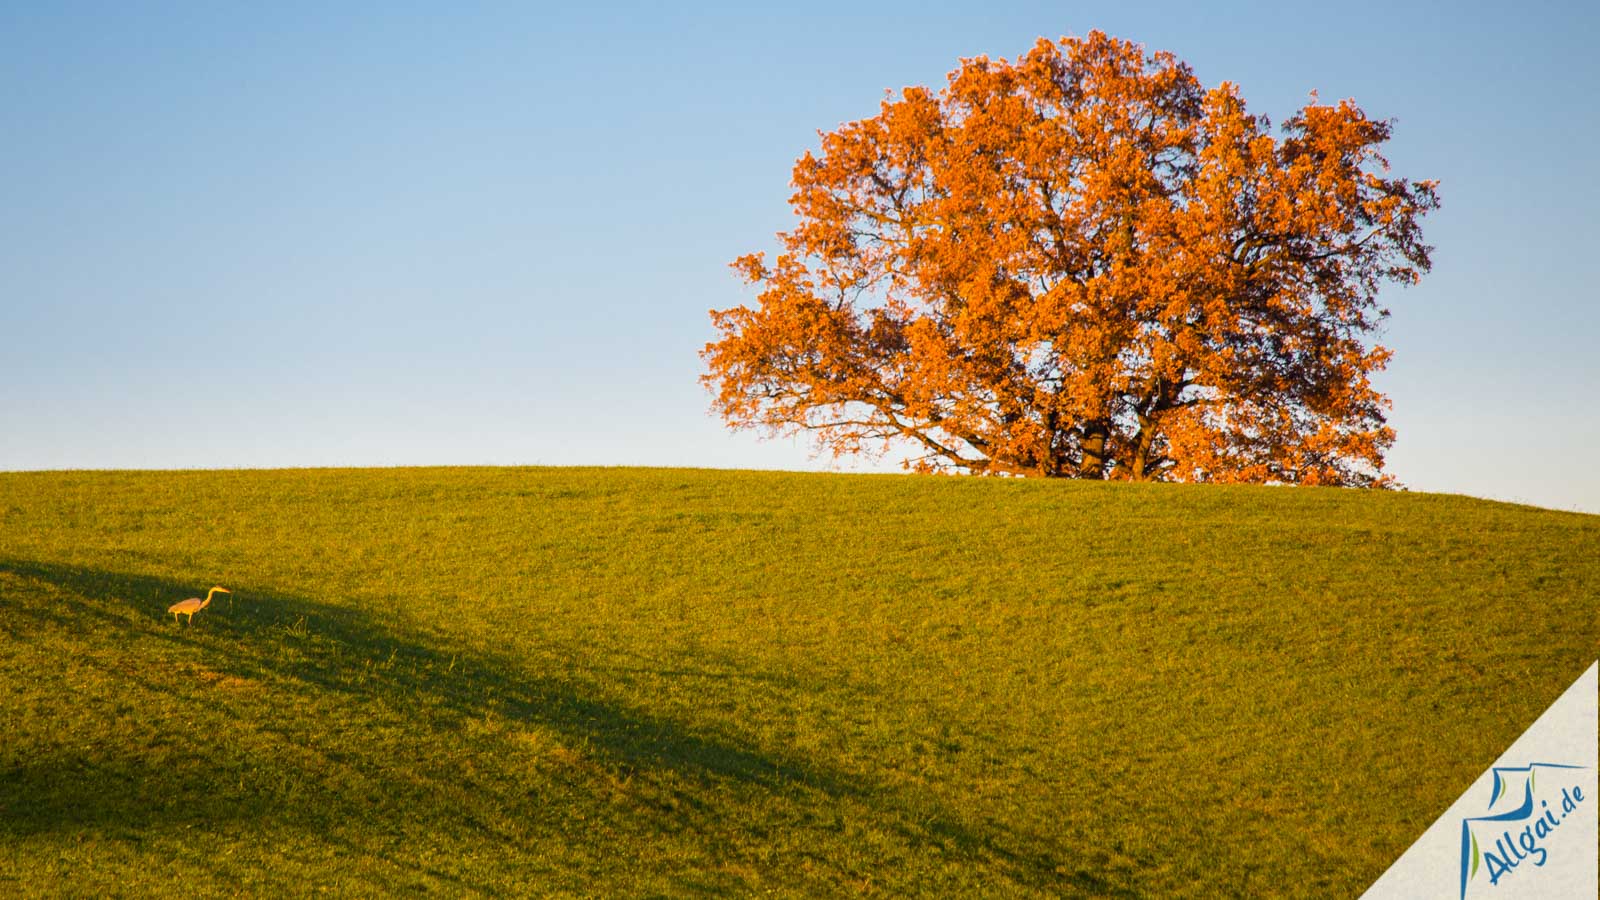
x=207, y=602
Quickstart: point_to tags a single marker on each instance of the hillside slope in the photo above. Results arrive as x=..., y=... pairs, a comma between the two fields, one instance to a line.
x=636, y=681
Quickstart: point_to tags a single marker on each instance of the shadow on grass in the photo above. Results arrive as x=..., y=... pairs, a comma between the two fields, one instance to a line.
x=338, y=649
x=379, y=677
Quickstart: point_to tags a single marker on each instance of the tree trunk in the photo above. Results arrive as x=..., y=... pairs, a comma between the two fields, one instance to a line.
x=1141, y=449
x=1094, y=452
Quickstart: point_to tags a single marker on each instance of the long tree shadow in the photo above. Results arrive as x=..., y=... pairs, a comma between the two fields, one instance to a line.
x=311, y=651
x=340, y=649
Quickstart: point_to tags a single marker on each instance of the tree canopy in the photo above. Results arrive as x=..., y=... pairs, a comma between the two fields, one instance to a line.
x=1083, y=264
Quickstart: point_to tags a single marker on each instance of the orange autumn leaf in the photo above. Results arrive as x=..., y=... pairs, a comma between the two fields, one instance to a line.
x=1083, y=264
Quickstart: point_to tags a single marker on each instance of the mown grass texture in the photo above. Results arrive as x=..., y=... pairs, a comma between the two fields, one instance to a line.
x=679, y=682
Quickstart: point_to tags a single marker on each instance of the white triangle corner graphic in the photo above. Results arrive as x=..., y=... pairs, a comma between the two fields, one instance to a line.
x=1528, y=827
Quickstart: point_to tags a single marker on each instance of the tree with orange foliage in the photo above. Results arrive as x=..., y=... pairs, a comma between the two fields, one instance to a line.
x=1083, y=264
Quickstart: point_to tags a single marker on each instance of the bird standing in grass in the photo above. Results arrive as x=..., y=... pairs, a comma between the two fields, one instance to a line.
x=194, y=604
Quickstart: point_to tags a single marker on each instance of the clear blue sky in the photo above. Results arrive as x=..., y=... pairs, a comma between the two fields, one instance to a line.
x=271, y=234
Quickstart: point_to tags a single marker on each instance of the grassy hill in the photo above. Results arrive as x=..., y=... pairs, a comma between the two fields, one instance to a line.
x=636, y=682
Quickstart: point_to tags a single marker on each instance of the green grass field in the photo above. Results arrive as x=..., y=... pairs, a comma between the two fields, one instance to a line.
x=674, y=682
